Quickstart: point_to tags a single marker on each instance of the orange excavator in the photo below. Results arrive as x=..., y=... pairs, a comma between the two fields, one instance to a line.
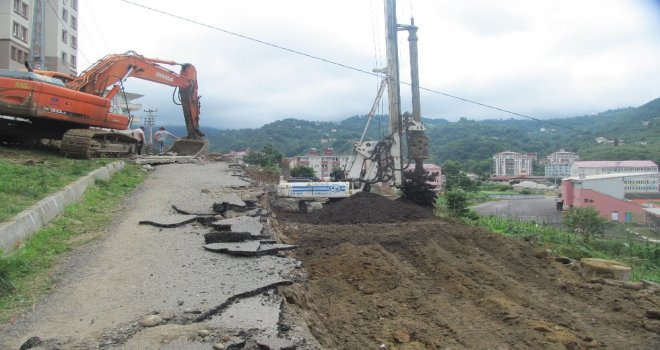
x=77, y=112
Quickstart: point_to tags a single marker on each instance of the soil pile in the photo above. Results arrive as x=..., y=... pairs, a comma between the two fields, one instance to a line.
x=363, y=208
x=439, y=285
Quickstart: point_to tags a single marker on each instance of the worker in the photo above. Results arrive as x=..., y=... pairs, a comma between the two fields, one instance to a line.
x=138, y=134
x=159, y=138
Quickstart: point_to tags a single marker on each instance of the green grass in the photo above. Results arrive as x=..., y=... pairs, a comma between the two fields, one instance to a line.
x=25, y=272
x=29, y=176
x=642, y=257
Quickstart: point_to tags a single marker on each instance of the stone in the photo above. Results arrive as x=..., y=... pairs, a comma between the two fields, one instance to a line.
x=401, y=336
x=313, y=206
x=288, y=204
x=219, y=346
x=203, y=333
x=601, y=268
x=151, y=320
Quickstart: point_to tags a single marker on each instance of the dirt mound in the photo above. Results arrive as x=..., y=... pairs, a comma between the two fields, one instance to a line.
x=439, y=285
x=363, y=208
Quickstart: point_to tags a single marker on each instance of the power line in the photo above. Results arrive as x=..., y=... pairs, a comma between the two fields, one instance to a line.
x=354, y=68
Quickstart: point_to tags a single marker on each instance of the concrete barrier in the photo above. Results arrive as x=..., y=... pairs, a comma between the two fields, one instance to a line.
x=30, y=220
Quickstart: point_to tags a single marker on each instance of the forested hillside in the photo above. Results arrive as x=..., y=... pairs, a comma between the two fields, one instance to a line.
x=635, y=132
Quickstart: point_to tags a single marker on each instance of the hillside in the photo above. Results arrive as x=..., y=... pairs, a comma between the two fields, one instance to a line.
x=471, y=142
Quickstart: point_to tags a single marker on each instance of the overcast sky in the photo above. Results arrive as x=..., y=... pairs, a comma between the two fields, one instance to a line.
x=543, y=58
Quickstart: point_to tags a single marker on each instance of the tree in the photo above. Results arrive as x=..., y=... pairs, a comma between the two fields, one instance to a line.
x=585, y=220
x=457, y=202
x=337, y=174
x=268, y=156
x=303, y=171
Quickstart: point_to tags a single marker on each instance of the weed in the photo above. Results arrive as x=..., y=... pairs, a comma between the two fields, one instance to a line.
x=26, y=270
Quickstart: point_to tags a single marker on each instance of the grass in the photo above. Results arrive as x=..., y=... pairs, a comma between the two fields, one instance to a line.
x=642, y=257
x=25, y=273
x=29, y=176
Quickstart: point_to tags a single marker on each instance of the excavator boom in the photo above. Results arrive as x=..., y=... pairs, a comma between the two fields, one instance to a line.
x=51, y=105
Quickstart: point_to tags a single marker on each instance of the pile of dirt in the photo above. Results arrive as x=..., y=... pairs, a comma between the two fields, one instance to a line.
x=439, y=285
x=363, y=208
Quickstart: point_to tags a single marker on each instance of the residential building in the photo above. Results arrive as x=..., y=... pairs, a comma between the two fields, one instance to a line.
x=322, y=164
x=16, y=23
x=43, y=32
x=607, y=193
x=612, y=167
x=510, y=163
x=558, y=164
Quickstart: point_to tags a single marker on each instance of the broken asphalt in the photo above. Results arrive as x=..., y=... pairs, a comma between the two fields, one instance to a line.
x=155, y=286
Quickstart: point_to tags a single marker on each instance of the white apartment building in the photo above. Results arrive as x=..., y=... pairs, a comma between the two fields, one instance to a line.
x=15, y=33
x=43, y=32
x=586, y=168
x=558, y=164
x=322, y=164
x=510, y=163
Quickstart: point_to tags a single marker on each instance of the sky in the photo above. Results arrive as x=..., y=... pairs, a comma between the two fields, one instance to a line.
x=541, y=58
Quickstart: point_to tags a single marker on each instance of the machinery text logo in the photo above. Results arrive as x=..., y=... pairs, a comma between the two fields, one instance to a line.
x=164, y=77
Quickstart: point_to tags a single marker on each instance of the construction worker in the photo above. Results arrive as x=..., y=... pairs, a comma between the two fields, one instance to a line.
x=138, y=134
x=159, y=138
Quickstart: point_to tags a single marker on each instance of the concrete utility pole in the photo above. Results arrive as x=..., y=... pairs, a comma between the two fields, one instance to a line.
x=149, y=122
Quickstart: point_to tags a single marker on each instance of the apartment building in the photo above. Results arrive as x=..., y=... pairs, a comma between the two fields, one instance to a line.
x=558, y=164
x=321, y=163
x=586, y=168
x=510, y=163
x=43, y=32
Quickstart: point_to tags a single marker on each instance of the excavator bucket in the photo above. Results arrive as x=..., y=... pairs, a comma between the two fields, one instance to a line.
x=189, y=147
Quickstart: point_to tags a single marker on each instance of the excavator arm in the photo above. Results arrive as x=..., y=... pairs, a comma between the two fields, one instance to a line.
x=105, y=77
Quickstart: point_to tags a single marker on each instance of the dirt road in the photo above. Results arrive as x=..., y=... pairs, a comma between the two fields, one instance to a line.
x=106, y=289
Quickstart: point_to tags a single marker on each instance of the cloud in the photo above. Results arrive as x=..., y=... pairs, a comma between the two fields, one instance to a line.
x=543, y=58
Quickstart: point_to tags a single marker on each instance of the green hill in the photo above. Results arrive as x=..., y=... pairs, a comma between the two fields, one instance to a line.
x=635, y=129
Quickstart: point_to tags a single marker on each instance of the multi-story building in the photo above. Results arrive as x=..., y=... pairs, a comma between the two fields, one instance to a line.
x=322, y=164
x=586, y=168
x=15, y=27
x=558, y=164
x=43, y=32
x=509, y=163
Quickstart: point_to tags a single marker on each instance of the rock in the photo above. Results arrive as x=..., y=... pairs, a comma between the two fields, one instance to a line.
x=151, y=320
x=31, y=343
x=401, y=336
x=203, y=333
x=313, y=206
x=605, y=269
x=219, y=346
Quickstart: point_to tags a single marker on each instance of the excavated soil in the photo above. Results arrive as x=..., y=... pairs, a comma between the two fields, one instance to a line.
x=433, y=284
x=362, y=208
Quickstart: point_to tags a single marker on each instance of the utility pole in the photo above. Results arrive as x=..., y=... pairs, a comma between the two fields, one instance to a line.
x=149, y=122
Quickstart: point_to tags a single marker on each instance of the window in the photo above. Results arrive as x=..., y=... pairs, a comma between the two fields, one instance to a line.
x=63, y=57
x=74, y=4
x=65, y=15
x=73, y=61
x=19, y=31
x=74, y=22
x=65, y=36
x=74, y=42
x=19, y=55
x=21, y=8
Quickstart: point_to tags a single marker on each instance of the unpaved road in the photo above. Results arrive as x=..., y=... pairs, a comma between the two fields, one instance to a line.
x=107, y=287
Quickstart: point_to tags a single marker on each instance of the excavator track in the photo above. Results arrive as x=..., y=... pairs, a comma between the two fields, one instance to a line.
x=90, y=143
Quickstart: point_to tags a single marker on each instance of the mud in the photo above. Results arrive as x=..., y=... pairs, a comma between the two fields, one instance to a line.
x=433, y=284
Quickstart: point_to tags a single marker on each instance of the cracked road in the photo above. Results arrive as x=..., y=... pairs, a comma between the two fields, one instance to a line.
x=106, y=288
